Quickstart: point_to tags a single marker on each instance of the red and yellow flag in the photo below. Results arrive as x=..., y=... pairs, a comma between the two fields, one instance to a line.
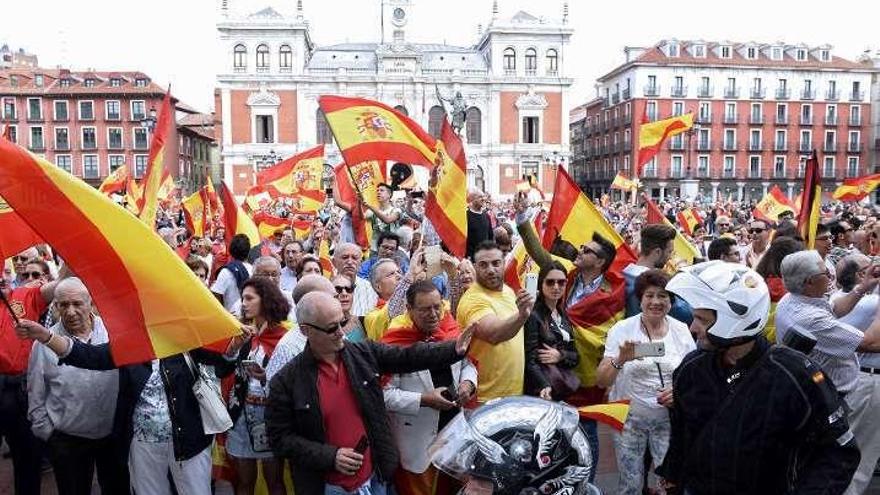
x=15, y=234
x=115, y=182
x=683, y=251
x=308, y=201
x=622, y=183
x=575, y=219
x=143, y=307
x=652, y=135
x=167, y=188
x=194, y=211
x=369, y=130
x=367, y=177
x=301, y=228
x=324, y=258
x=235, y=219
x=809, y=216
x=268, y=224
x=152, y=184
x=773, y=204
x=302, y=172
x=689, y=219
x=446, y=204
x=133, y=194
x=857, y=188
x=612, y=414
x=258, y=197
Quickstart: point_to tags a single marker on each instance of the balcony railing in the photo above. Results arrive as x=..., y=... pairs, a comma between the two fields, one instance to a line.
x=615, y=99
x=780, y=146
x=757, y=93
x=730, y=118
x=856, y=95
x=829, y=147
x=652, y=90
x=729, y=146
x=728, y=174
x=855, y=120
x=756, y=145
x=704, y=92
x=832, y=95
x=731, y=92
x=756, y=118
x=808, y=94
x=781, y=119
x=853, y=147
x=831, y=120
x=806, y=120
x=704, y=119
x=782, y=94
x=679, y=91
x=626, y=94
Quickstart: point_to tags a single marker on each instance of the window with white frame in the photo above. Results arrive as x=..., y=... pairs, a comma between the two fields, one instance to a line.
x=677, y=108
x=806, y=141
x=61, y=110
x=705, y=111
x=806, y=114
x=781, y=141
x=89, y=138
x=285, y=57
x=730, y=112
x=37, y=142
x=11, y=132
x=239, y=58
x=854, y=141
x=729, y=166
x=265, y=126
x=531, y=61
x=828, y=168
x=700, y=51
x=830, y=139
x=38, y=80
x=826, y=55
x=112, y=110
x=35, y=109
x=725, y=51
x=852, y=166
x=9, y=109
x=64, y=162
x=651, y=110
x=115, y=161
x=91, y=170
x=553, y=63
x=138, y=109
x=114, y=138
x=86, y=110
x=801, y=54
x=509, y=59
x=730, y=139
x=673, y=49
x=675, y=166
x=140, y=166
x=751, y=53
x=262, y=58
x=779, y=166
x=703, y=166
x=755, y=139
x=115, y=82
x=140, y=138
x=531, y=130
x=62, y=138
x=855, y=115
x=776, y=53
x=754, y=166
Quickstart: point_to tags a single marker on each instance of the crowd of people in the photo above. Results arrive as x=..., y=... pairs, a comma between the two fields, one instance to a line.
x=348, y=367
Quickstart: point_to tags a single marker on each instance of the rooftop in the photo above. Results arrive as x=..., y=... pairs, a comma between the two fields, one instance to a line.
x=24, y=81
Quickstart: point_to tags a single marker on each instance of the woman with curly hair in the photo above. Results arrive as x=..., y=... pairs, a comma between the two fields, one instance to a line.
x=264, y=307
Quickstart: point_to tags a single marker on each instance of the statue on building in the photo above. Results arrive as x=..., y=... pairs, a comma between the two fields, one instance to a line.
x=459, y=109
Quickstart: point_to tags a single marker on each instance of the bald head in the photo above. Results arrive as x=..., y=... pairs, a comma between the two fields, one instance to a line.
x=71, y=286
x=311, y=284
x=317, y=308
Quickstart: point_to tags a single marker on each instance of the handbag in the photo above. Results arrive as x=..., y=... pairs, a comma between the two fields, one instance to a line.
x=215, y=417
x=563, y=381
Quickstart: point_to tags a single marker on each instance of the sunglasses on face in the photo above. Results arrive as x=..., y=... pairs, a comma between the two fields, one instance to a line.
x=755, y=231
x=587, y=250
x=332, y=329
x=31, y=275
x=560, y=282
x=344, y=288
x=20, y=259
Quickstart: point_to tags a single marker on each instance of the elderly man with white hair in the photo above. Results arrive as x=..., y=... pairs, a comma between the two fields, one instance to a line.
x=347, y=261
x=856, y=303
x=806, y=309
x=72, y=409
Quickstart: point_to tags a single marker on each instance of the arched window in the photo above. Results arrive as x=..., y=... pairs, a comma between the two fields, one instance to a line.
x=322, y=130
x=435, y=120
x=285, y=57
x=402, y=109
x=552, y=62
x=474, y=123
x=509, y=59
x=262, y=58
x=531, y=61
x=239, y=57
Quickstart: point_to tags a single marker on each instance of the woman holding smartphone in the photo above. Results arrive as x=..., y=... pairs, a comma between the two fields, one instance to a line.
x=264, y=307
x=641, y=353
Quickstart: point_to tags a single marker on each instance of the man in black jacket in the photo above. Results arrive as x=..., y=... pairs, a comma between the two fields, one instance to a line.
x=748, y=417
x=326, y=410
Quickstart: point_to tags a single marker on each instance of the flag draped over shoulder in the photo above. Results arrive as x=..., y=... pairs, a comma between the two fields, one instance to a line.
x=773, y=204
x=689, y=219
x=652, y=135
x=446, y=204
x=809, y=216
x=856, y=188
x=115, y=182
x=148, y=203
x=575, y=219
x=194, y=211
x=235, y=219
x=302, y=172
x=151, y=303
x=683, y=251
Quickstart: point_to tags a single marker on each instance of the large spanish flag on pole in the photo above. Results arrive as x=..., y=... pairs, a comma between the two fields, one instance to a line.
x=235, y=219
x=683, y=251
x=15, y=234
x=773, y=204
x=575, y=219
x=446, y=204
x=809, y=216
x=302, y=172
x=149, y=202
x=152, y=304
x=652, y=135
x=857, y=188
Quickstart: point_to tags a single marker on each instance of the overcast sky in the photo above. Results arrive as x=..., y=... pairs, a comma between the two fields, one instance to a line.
x=176, y=41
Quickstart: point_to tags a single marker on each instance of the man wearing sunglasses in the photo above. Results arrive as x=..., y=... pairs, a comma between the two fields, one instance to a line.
x=760, y=236
x=326, y=411
x=841, y=239
x=19, y=264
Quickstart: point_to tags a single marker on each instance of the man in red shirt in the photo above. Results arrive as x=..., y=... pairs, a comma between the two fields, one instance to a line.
x=326, y=410
x=28, y=301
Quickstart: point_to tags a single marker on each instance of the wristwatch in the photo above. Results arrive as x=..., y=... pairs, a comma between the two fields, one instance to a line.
x=615, y=365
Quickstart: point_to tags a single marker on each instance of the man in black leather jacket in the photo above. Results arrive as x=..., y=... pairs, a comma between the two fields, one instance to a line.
x=326, y=410
x=749, y=417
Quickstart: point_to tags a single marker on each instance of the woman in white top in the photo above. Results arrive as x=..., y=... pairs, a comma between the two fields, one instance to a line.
x=645, y=381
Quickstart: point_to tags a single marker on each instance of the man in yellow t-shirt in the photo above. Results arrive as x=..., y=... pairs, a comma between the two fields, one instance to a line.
x=499, y=313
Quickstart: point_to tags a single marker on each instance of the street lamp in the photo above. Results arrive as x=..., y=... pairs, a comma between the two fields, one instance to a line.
x=149, y=122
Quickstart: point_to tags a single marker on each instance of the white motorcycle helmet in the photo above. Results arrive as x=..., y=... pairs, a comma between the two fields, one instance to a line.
x=737, y=294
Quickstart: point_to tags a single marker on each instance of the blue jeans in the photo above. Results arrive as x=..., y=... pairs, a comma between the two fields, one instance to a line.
x=372, y=487
x=589, y=428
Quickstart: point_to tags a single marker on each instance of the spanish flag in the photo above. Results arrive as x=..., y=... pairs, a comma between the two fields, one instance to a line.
x=235, y=219
x=773, y=204
x=115, y=182
x=809, y=216
x=446, y=205
x=167, y=188
x=683, y=251
x=574, y=219
x=194, y=210
x=209, y=196
x=133, y=194
x=268, y=224
x=622, y=183
x=367, y=176
x=612, y=414
x=856, y=189
x=652, y=135
x=260, y=196
x=16, y=234
x=369, y=130
x=324, y=258
x=307, y=201
x=302, y=172
x=152, y=304
x=301, y=228
x=689, y=219
x=148, y=203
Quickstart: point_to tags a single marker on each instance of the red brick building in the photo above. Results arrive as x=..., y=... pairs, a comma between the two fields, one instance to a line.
x=88, y=123
x=760, y=109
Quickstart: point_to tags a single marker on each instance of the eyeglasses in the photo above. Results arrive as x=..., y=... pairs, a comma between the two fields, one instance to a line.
x=344, y=288
x=559, y=281
x=337, y=327
x=585, y=249
x=824, y=237
x=755, y=231
x=31, y=275
x=20, y=259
